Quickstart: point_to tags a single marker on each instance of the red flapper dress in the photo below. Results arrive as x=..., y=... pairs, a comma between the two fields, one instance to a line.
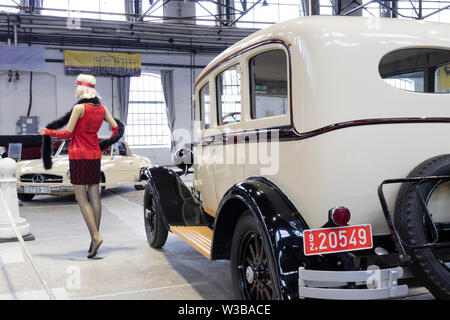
x=84, y=148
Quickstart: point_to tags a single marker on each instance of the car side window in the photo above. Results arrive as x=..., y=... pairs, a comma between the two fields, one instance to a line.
x=228, y=88
x=205, y=106
x=119, y=149
x=268, y=84
x=423, y=70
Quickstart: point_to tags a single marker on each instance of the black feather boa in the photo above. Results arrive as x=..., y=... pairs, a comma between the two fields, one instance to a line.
x=110, y=141
x=47, y=149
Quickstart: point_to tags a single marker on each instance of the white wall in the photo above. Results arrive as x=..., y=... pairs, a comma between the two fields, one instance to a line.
x=54, y=95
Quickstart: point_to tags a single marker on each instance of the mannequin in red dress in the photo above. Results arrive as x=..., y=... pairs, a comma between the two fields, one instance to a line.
x=85, y=154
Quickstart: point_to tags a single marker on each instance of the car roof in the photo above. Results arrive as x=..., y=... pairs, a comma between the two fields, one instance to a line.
x=311, y=34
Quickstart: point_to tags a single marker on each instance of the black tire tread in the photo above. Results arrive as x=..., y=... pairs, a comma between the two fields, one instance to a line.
x=161, y=232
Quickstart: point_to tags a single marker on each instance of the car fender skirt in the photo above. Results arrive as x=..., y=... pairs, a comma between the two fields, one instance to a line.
x=279, y=219
x=178, y=205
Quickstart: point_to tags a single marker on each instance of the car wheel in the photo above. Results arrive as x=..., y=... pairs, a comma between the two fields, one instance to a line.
x=252, y=265
x=155, y=228
x=25, y=196
x=430, y=265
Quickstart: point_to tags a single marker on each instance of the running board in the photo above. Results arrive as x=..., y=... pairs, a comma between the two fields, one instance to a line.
x=199, y=237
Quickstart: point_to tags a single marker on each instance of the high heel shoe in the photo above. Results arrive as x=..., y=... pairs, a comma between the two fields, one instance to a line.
x=95, y=245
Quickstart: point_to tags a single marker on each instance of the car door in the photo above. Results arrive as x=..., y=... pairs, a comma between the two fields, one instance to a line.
x=121, y=167
x=269, y=111
x=203, y=153
x=229, y=153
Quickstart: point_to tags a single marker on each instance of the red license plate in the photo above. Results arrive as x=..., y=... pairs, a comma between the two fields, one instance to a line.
x=339, y=239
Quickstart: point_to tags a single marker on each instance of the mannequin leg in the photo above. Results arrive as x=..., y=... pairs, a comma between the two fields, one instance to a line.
x=88, y=215
x=94, y=200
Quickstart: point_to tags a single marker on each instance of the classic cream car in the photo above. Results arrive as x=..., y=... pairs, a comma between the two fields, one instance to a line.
x=300, y=124
x=119, y=166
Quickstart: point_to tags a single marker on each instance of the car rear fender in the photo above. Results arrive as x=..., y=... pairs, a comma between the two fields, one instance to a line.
x=279, y=219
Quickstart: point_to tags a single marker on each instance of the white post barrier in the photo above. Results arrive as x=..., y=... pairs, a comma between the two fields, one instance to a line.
x=9, y=190
x=9, y=208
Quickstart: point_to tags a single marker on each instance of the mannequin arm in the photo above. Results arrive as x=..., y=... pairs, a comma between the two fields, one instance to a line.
x=77, y=112
x=58, y=134
x=109, y=118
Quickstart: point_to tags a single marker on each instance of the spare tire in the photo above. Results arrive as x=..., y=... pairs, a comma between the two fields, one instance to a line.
x=430, y=265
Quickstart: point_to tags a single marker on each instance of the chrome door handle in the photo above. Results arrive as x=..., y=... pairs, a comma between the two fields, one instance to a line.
x=209, y=140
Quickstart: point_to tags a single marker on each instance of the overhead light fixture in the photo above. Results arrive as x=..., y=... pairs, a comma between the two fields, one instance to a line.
x=265, y=4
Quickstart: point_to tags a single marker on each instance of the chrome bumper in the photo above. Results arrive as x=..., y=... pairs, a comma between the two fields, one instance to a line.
x=380, y=284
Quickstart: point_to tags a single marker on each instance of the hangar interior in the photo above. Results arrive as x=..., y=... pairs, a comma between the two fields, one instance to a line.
x=177, y=36
x=175, y=39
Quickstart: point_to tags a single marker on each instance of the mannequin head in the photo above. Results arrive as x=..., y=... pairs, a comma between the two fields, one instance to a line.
x=85, y=92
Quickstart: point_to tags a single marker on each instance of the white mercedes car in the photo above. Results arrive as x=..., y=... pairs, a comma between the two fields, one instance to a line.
x=119, y=166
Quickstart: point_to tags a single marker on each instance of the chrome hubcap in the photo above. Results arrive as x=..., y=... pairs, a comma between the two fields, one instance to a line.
x=250, y=274
x=254, y=271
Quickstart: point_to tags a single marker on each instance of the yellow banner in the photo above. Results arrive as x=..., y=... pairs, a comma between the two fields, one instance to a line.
x=102, y=63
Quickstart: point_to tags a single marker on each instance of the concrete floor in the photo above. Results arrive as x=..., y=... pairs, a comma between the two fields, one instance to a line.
x=129, y=268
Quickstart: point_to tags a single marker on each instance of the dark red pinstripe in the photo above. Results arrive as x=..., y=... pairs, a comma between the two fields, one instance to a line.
x=289, y=133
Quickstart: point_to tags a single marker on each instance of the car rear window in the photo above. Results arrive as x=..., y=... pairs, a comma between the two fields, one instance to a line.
x=417, y=69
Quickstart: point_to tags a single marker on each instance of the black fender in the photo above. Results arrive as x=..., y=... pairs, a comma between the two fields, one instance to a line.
x=279, y=219
x=178, y=205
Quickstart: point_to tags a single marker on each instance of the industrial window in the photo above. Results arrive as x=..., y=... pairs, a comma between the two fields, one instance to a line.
x=9, y=6
x=431, y=10
x=266, y=12
x=205, y=12
x=156, y=14
x=268, y=84
x=412, y=81
x=147, y=118
x=228, y=88
x=93, y=9
x=205, y=106
x=418, y=70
